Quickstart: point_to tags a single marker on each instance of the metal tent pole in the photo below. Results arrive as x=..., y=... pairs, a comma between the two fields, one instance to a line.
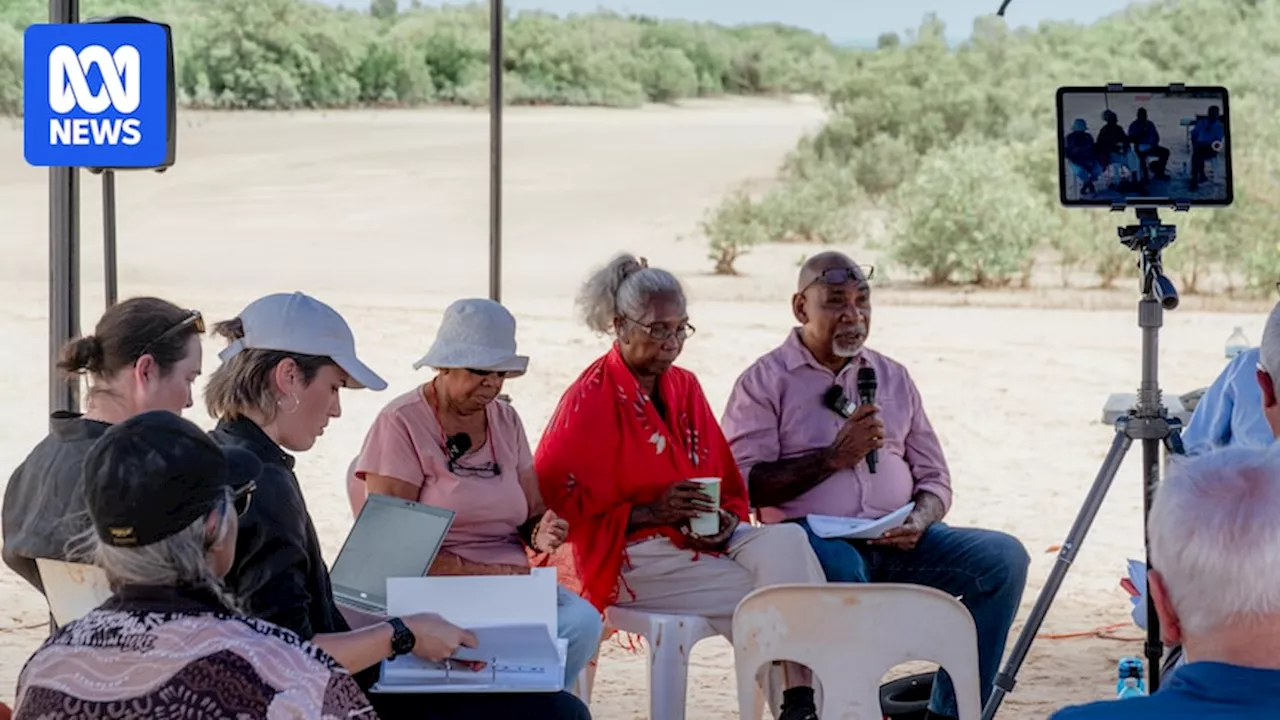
x=495, y=149
x=64, y=253
x=109, y=236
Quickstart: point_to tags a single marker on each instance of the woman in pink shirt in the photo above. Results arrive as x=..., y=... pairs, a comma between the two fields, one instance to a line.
x=448, y=444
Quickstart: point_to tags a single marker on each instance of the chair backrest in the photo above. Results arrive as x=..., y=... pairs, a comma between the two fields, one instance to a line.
x=850, y=635
x=72, y=589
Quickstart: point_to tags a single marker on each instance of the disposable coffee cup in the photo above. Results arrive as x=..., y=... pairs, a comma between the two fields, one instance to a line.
x=707, y=523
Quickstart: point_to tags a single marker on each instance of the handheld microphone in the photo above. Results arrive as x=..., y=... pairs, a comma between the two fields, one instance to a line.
x=867, y=396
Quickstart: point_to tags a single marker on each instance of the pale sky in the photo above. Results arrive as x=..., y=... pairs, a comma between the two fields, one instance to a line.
x=842, y=20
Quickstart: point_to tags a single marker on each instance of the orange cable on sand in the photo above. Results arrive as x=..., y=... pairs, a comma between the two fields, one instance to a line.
x=1106, y=632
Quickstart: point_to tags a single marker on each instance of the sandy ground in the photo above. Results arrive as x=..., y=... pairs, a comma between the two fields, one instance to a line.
x=385, y=216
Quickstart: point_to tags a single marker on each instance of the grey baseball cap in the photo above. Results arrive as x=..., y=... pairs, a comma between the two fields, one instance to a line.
x=298, y=323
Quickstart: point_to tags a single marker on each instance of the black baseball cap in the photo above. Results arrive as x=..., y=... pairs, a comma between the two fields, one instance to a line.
x=154, y=474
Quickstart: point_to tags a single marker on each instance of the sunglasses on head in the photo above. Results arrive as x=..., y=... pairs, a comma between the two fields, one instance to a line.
x=242, y=497
x=842, y=275
x=193, y=320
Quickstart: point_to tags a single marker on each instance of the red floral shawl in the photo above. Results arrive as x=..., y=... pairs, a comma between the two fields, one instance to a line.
x=607, y=449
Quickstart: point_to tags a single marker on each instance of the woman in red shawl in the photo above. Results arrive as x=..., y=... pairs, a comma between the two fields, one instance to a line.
x=616, y=459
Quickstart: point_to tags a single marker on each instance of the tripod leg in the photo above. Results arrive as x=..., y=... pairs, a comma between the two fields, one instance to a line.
x=1093, y=501
x=1150, y=480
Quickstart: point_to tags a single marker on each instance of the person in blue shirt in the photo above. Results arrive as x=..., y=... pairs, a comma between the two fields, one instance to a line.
x=1230, y=411
x=1215, y=547
x=1207, y=137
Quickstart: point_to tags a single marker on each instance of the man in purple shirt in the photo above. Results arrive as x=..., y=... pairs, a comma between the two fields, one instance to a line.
x=799, y=457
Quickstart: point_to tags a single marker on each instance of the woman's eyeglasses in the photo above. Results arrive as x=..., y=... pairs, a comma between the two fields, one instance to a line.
x=661, y=332
x=486, y=470
x=242, y=497
x=193, y=319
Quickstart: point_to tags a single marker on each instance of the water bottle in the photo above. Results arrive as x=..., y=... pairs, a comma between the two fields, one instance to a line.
x=1130, y=682
x=1237, y=343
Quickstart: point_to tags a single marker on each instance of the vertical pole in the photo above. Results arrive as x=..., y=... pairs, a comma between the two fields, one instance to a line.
x=109, y=235
x=496, y=56
x=64, y=253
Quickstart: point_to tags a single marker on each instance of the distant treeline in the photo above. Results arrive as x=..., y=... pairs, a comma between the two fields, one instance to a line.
x=284, y=54
x=957, y=147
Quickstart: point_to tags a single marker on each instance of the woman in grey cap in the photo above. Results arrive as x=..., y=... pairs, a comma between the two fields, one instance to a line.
x=451, y=443
x=288, y=357
x=163, y=501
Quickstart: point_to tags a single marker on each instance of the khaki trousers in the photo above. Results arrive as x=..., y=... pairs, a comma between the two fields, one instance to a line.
x=662, y=578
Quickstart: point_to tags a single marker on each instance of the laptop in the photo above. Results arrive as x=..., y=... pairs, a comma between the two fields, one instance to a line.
x=391, y=538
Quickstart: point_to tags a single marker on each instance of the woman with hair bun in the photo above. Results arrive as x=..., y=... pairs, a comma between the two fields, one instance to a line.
x=144, y=354
x=618, y=459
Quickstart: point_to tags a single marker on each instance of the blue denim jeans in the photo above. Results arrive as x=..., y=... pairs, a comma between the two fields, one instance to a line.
x=580, y=623
x=986, y=569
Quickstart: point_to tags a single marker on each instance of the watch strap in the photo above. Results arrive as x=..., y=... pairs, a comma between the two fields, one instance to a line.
x=402, y=638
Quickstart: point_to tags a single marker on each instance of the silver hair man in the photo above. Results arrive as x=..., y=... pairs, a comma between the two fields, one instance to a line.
x=1215, y=549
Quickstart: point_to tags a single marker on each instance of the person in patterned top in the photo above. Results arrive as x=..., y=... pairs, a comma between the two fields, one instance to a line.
x=163, y=501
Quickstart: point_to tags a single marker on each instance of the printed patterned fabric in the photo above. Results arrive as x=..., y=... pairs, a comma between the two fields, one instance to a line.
x=197, y=663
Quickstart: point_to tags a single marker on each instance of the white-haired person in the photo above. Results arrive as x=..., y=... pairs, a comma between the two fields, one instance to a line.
x=1215, y=552
x=288, y=359
x=163, y=500
x=619, y=459
x=451, y=443
x=143, y=355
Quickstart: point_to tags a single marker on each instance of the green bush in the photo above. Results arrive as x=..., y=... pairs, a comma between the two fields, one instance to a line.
x=965, y=216
x=816, y=210
x=284, y=54
x=10, y=71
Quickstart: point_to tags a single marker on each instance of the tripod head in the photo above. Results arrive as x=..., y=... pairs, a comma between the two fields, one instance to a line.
x=1149, y=238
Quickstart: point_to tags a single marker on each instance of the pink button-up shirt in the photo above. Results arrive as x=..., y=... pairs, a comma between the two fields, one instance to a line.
x=776, y=411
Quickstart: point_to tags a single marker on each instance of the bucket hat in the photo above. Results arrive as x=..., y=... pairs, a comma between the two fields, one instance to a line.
x=476, y=334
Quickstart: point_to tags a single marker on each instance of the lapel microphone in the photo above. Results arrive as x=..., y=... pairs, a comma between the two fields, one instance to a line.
x=457, y=446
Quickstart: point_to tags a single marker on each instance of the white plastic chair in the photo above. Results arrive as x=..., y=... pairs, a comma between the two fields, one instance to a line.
x=670, y=639
x=72, y=589
x=850, y=634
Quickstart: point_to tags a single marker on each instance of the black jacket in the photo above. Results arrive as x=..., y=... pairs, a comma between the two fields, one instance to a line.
x=44, y=500
x=279, y=574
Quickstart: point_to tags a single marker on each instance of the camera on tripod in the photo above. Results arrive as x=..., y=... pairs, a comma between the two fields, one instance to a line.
x=1174, y=153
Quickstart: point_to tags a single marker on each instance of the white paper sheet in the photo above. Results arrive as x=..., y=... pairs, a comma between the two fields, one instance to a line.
x=832, y=526
x=513, y=617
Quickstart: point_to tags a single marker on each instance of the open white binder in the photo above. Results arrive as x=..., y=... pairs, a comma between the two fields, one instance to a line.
x=513, y=618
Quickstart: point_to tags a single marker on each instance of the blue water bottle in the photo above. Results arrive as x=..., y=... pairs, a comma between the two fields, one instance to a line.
x=1130, y=682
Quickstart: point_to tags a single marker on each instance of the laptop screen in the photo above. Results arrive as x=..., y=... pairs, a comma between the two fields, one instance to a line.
x=391, y=538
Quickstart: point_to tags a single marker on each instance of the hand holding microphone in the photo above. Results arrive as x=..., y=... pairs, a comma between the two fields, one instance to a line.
x=863, y=432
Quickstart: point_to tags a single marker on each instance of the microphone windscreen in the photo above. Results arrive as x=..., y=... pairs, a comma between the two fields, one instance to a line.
x=834, y=397
x=866, y=380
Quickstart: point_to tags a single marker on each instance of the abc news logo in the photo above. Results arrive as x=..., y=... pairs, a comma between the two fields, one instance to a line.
x=69, y=91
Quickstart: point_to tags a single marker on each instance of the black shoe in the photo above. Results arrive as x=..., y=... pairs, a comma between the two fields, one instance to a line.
x=799, y=711
x=798, y=704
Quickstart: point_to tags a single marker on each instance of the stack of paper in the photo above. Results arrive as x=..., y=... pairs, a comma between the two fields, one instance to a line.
x=513, y=618
x=832, y=526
